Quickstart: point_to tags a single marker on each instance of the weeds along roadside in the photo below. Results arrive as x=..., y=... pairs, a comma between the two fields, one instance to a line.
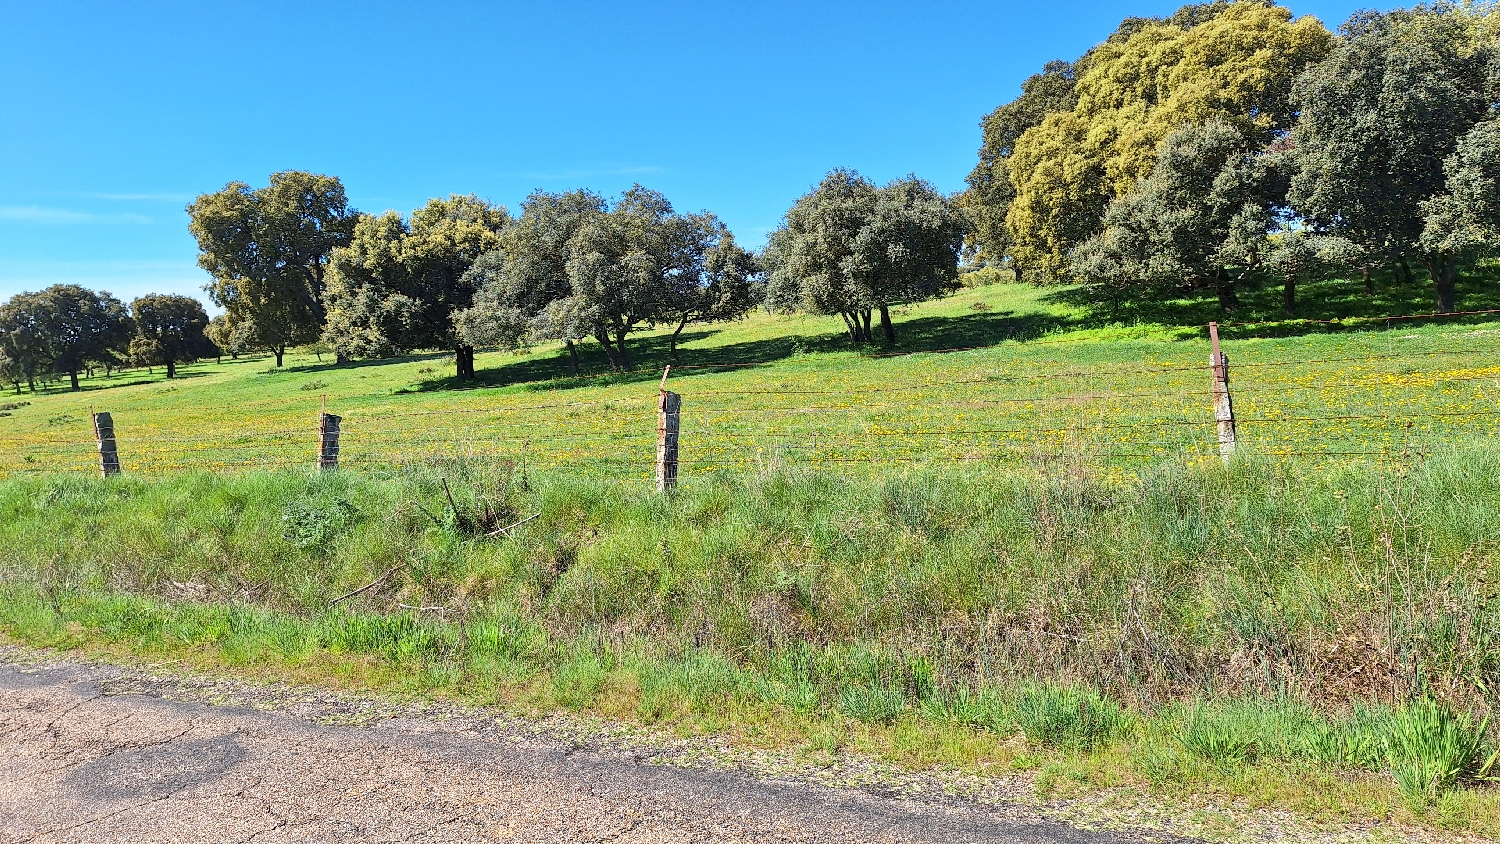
x=1192, y=626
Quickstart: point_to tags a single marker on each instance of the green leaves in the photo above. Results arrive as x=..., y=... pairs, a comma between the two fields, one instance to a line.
x=62, y=329
x=849, y=247
x=397, y=284
x=1232, y=62
x=170, y=329
x=574, y=267
x=1378, y=136
x=1431, y=750
x=268, y=249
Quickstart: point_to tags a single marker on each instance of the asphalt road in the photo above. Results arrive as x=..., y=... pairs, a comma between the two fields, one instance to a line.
x=88, y=755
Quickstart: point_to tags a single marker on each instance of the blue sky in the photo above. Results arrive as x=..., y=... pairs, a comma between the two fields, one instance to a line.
x=113, y=116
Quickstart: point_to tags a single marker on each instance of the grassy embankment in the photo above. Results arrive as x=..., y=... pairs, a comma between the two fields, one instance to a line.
x=1271, y=631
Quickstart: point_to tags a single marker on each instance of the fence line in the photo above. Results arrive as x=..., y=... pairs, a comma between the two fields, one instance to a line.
x=1041, y=428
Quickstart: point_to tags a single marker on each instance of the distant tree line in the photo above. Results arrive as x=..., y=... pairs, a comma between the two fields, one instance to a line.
x=1230, y=140
x=291, y=264
x=71, y=330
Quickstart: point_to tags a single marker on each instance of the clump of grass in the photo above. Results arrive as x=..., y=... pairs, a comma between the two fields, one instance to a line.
x=1069, y=717
x=1431, y=750
x=1224, y=737
x=1357, y=743
x=873, y=705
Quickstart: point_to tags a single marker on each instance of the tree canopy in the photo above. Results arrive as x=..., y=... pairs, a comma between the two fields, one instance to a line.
x=1198, y=220
x=522, y=290
x=850, y=248
x=398, y=284
x=990, y=193
x=1234, y=62
x=1381, y=120
x=63, y=329
x=576, y=266
x=171, y=329
x=268, y=250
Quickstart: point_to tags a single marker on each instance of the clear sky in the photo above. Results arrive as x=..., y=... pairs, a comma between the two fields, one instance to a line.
x=114, y=115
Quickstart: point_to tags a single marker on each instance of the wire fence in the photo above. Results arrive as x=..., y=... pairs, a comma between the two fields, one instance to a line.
x=1379, y=395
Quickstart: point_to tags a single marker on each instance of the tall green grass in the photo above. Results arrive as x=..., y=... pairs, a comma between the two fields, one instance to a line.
x=1345, y=618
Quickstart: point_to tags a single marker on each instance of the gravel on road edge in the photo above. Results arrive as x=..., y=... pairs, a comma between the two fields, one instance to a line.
x=1003, y=805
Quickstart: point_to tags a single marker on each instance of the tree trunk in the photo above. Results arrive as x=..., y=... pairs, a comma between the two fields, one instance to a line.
x=1289, y=294
x=573, y=355
x=339, y=358
x=463, y=359
x=1229, y=300
x=1444, y=271
x=1369, y=282
x=609, y=348
x=868, y=334
x=1016, y=269
x=885, y=325
x=624, y=355
x=852, y=326
x=675, y=335
x=280, y=352
x=234, y=355
x=73, y=376
x=171, y=368
x=1406, y=275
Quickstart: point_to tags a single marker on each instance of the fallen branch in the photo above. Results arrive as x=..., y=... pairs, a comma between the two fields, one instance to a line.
x=368, y=586
x=512, y=527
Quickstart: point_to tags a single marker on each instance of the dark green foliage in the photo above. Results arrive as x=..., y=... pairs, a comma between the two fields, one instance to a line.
x=1198, y=221
x=1465, y=221
x=172, y=328
x=1379, y=117
x=268, y=251
x=575, y=267
x=62, y=329
x=850, y=248
x=315, y=523
x=397, y=285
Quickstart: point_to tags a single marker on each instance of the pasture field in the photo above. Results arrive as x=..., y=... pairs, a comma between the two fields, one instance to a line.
x=1022, y=558
x=1043, y=383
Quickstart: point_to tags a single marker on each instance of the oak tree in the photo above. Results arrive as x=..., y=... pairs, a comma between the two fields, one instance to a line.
x=174, y=327
x=398, y=284
x=268, y=251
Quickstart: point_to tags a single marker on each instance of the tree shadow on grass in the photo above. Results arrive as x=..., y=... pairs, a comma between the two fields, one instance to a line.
x=96, y=384
x=331, y=366
x=650, y=355
x=1261, y=303
x=1319, y=303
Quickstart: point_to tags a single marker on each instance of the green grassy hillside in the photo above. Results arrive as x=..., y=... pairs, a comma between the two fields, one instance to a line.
x=1047, y=379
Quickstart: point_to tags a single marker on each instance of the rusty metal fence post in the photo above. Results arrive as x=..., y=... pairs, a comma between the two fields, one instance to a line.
x=104, y=434
x=668, y=422
x=1223, y=402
